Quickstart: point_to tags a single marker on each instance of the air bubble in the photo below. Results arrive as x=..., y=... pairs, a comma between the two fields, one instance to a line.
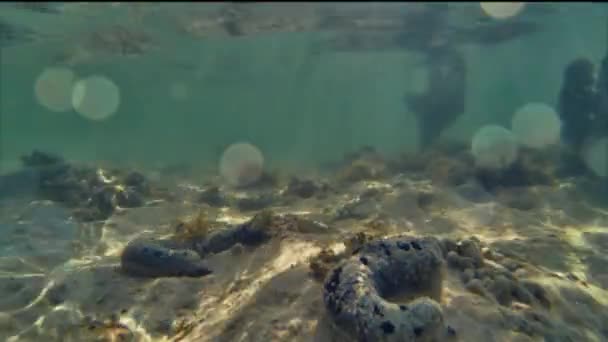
x=536, y=125
x=242, y=164
x=502, y=10
x=96, y=97
x=53, y=88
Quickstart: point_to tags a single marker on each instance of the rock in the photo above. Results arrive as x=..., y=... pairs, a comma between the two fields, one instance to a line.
x=57, y=293
x=449, y=245
x=39, y=158
x=447, y=171
x=467, y=275
x=137, y=182
x=212, y=196
x=502, y=289
x=255, y=203
x=474, y=192
x=356, y=209
x=129, y=198
x=522, y=198
x=459, y=262
x=355, y=291
x=476, y=286
x=91, y=192
x=470, y=249
x=302, y=188
x=365, y=167
x=538, y=292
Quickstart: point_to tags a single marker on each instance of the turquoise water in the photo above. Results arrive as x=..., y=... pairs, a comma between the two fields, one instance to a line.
x=279, y=91
x=290, y=172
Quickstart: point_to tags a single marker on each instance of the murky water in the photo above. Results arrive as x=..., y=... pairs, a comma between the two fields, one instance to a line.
x=303, y=172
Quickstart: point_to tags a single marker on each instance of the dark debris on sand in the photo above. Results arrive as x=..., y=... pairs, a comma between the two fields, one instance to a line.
x=93, y=193
x=181, y=255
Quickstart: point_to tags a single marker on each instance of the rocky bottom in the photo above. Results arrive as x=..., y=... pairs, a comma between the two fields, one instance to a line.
x=355, y=291
x=373, y=257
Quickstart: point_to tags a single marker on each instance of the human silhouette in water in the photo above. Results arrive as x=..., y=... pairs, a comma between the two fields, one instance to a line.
x=444, y=99
x=583, y=101
x=579, y=102
x=583, y=109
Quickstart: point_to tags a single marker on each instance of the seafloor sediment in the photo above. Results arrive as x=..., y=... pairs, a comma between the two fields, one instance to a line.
x=422, y=248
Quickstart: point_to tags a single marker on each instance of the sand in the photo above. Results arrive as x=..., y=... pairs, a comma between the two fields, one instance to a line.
x=60, y=279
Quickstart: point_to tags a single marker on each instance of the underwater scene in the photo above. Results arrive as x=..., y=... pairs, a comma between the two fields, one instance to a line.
x=307, y=171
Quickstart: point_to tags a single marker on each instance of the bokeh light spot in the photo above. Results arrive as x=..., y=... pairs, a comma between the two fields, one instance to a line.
x=494, y=147
x=241, y=164
x=53, y=88
x=502, y=10
x=179, y=91
x=536, y=125
x=595, y=155
x=96, y=97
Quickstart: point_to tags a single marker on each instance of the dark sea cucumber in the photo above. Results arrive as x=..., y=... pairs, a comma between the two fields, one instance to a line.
x=149, y=258
x=248, y=234
x=171, y=258
x=356, y=290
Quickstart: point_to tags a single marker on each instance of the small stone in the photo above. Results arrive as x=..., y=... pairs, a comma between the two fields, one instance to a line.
x=511, y=265
x=302, y=188
x=483, y=273
x=449, y=245
x=164, y=326
x=488, y=253
x=459, y=262
x=470, y=249
x=212, y=196
x=476, y=287
x=57, y=294
x=129, y=198
x=502, y=289
x=521, y=294
x=467, y=275
x=255, y=203
x=538, y=292
x=356, y=209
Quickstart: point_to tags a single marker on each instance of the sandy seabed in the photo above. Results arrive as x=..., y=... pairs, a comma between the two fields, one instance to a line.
x=60, y=279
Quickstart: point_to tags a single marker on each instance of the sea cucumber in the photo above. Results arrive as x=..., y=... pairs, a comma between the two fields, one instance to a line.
x=171, y=258
x=148, y=258
x=248, y=234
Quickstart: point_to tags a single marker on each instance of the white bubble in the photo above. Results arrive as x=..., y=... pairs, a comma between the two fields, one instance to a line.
x=179, y=91
x=241, y=164
x=96, y=97
x=494, y=147
x=536, y=125
x=595, y=155
x=53, y=88
x=502, y=10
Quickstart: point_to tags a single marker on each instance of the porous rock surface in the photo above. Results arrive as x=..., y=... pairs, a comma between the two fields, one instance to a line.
x=356, y=291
